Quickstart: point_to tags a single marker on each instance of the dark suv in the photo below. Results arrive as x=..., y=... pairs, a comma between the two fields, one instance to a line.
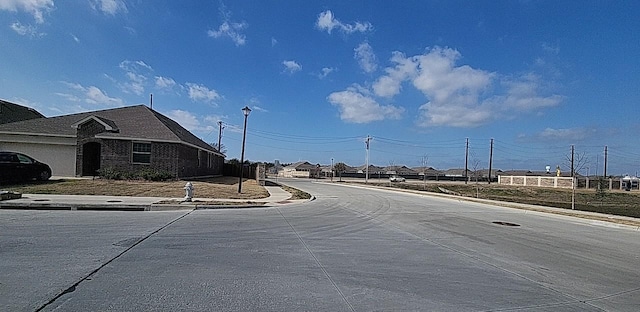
x=20, y=167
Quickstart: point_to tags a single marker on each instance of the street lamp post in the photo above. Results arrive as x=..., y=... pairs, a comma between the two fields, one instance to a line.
x=246, y=110
x=331, y=169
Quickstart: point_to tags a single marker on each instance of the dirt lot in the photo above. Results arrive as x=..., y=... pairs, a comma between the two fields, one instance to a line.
x=614, y=202
x=223, y=187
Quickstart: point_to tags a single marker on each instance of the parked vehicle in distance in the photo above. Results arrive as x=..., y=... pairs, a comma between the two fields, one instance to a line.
x=20, y=167
x=396, y=179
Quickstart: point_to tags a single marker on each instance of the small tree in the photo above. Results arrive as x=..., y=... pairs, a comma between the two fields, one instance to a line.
x=425, y=159
x=222, y=149
x=575, y=162
x=475, y=163
x=340, y=168
x=601, y=189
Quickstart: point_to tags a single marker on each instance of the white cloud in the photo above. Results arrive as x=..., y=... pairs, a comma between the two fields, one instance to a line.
x=111, y=7
x=201, y=93
x=136, y=73
x=522, y=95
x=259, y=109
x=76, y=39
x=274, y=42
x=572, y=134
x=366, y=58
x=459, y=95
x=231, y=30
x=96, y=96
x=291, y=66
x=164, y=82
x=356, y=107
x=37, y=8
x=69, y=97
x=391, y=84
x=91, y=95
x=327, y=22
x=191, y=122
x=326, y=71
x=26, y=30
x=553, y=49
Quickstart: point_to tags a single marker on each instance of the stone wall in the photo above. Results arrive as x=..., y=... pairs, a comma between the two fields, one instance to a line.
x=539, y=181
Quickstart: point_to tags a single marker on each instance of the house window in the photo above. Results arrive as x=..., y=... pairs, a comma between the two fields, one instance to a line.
x=141, y=153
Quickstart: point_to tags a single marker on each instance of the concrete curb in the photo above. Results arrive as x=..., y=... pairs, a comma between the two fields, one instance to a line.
x=6, y=204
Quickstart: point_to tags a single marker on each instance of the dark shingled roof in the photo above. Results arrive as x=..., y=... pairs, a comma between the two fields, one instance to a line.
x=10, y=112
x=132, y=122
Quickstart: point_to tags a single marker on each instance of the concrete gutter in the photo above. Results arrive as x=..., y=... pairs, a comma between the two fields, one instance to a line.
x=277, y=197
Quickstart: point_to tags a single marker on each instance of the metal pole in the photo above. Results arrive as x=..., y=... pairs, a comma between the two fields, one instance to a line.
x=220, y=136
x=466, y=162
x=366, y=177
x=331, y=169
x=490, y=161
x=246, y=111
x=605, y=162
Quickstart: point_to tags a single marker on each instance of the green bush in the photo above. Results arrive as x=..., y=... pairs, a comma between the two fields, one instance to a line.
x=110, y=173
x=155, y=175
x=148, y=174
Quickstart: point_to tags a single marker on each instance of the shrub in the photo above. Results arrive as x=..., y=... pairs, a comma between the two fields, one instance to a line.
x=110, y=173
x=148, y=174
x=155, y=175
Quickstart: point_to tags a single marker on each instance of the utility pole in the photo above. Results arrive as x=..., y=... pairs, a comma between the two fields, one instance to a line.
x=466, y=162
x=573, y=180
x=366, y=177
x=572, y=167
x=605, y=162
x=151, y=100
x=490, y=161
x=220, y=136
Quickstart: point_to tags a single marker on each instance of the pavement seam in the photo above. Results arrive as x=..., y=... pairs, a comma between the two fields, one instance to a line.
x=73, y=287
x=324, y=270
x=571, y=298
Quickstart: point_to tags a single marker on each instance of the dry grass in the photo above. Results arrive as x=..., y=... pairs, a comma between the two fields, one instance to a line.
x=614, y=202
x=223, y=187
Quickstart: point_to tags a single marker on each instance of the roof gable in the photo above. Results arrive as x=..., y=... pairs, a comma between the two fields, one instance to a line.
x=109, y=125
x=10, y=112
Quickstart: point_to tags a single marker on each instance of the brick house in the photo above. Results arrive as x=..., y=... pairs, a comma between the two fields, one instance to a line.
x=128, y=138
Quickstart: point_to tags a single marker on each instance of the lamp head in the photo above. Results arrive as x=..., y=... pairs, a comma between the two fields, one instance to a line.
x=246, y=110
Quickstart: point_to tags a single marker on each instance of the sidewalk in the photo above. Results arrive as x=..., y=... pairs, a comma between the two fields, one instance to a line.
x=277, y=197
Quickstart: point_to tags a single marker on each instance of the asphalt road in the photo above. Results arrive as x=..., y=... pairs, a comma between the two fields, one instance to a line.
x=351, y=249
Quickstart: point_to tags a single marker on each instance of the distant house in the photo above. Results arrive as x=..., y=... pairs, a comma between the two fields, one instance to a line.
x=427, y=171
x=457, y=173
x=127, y=138
x=399, y=170
x=301, y=169
x=372, y=169
x=10, y=112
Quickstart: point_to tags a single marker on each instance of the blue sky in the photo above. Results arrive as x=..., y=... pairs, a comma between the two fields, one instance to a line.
x=419, y=77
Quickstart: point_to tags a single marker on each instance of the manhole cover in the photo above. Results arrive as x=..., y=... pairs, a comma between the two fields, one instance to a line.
x=40, y=200
x=114, y=201
x=505, y=223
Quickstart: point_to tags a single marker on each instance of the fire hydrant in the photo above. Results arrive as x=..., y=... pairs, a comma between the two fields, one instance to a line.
x=188, y=189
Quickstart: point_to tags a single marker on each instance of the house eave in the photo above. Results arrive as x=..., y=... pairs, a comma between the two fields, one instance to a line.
x=158, y=141
x=38, y=134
